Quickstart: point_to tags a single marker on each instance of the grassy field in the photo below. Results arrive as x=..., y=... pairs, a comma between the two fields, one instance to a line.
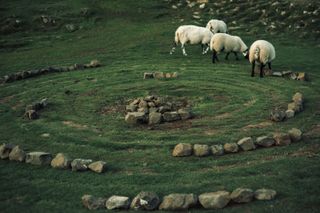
x=130, y=38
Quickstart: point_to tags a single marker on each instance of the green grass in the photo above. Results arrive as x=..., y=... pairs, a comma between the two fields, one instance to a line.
x=130, y=38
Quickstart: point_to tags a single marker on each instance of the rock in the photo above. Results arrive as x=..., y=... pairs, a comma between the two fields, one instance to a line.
x=70, y=27
x=302, y=76
x=39, y=158
x=61, y=161
x=153, y=109
x=295, y=107
x=231, y=147
x=151, y=104
x=95, y=63
x=118, y=202
x=246, y=144
x=155, y=118
x=282, y=139
x=289, y=113
x=135, y=117
x=217, y=150
x=98, y=166
x=201, y=150
x=17, y=154
x=201, y=6
x=182, y=149
x=178, y=202
x=131, y=108
x=5, y=150
x=158, y=75
x=168, y=75
x=265, y=194
x=174, y=75
x=297, y=98
x=145, y=201
x=242, y=195
x=184, y=114
x=143, y=104
x=277, y=115
x=147, y=75
x=32, y=114
x=295, y=134
x=214, y=200
x=171, y=116
x=265, y=141
x=93, y=203
x=145, y=110
x=164, y=109
x=80, y=164
x=135, y=101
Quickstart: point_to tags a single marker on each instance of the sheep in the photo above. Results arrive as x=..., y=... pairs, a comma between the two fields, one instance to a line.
x=222, y=42
x=217, y=26
x=262, y=52
x=194, y=35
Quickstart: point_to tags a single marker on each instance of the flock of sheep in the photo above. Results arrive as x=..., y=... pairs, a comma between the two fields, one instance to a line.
x=215, y=37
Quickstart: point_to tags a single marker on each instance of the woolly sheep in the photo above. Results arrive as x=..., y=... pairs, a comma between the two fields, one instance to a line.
x=217, y=26
x=194, y=35
x=263, y=53
x=222, y=42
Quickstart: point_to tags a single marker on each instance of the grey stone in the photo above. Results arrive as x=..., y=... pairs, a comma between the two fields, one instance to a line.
x=246, y=144
x=143, y=104
x=182, y=149
x=171, y=116
x=277, y=115
x=242, y=195
x=215, y=200
x=145, y=201
x=265, y=141
x=282, y=139
x=158, y=75
x=201, y=150
x=163, y=109
x=71, y=27
x=5, y=150
x=178, y=202
x=147, y=75
x=151, y=104
x=295, y=134
x=231, y=147
x=143, y=109
x=289, y=113
x=217, y=150
x=153, y=109
x=297, y=98
x=135, y=117
x=17, y=154
x=61, y=161
x=98, y=166
x=155, y=118
x=92, y=203
x=32, y=114
x=184, y=114
x=118, y=202
x=39, y=158
x=131, y=108
x=80, y=164
x=265, y=194
x=296, y=107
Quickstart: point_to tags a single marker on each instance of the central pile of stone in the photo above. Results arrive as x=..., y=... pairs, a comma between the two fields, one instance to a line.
x=155, y=110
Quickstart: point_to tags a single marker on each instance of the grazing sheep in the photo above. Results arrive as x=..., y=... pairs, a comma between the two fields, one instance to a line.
x=194, y=35
x=222, y=42
x=217, y=26
x=262, y=52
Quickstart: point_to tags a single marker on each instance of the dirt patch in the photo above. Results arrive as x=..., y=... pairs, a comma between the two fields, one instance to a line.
x=223, y=116
x=314, y=132
x=110, y=109
x=310, y=151
x=250, y=103
x=75, y=125
x=211, y=132
x=17, y=105
x=6, y=99
x=257, y=126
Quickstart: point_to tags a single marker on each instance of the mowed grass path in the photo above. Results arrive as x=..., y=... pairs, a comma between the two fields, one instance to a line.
x=133, y=38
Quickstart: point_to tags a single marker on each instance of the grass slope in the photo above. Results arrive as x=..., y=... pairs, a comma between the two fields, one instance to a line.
x=130, y=38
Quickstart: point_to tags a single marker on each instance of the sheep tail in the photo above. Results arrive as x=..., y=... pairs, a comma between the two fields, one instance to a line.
x=177, y=38
x=257, y=53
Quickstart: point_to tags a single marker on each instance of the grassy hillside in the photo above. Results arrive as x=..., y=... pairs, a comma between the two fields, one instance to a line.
x=130, y=38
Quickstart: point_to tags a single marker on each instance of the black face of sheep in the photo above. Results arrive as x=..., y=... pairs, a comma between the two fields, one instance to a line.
x=246, y=54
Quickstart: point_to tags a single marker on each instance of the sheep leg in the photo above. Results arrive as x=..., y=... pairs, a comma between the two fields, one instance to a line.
x=269, y=65
x=183, y=50
x=173, y=48
x=203, y=49
x=253, y=66
x=214, y=56
x=227, y=56
x=236, y=55
x=207, y=49
x=261, y=70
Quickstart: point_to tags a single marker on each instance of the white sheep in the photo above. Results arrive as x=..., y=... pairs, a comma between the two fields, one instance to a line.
x=217, y=26
x=261, y=52
x=222, y=42
x=194, y=35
